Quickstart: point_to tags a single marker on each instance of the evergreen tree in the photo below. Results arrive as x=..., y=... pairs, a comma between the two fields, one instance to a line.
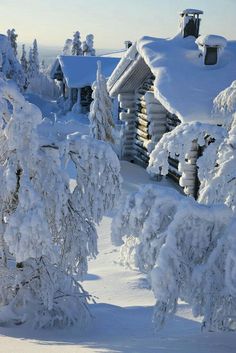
x=24, y=65
x=67, y=47
x=23, y=60
x=87, y=46
x=76, y=44
x=31, y=67
x=36, y=56
x=10, y=66
x=33, y=62
x=12, y=37
x=101, y=119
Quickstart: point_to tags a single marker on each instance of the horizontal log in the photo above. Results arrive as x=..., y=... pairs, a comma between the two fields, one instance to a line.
x=127, y=104
x=140, y=162
x=126, y=96
x=142, y=151
x=142, y=122
x=142, y=128
x=142, y=134
x=126, y=116
x=140, y=144
x=142, y=116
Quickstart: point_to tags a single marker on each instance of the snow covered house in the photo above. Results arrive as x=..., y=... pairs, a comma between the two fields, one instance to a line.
x=76, y=75
x=161, y=83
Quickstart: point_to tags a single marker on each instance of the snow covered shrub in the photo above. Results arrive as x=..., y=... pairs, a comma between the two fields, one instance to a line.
x=220, y=187
x=178, y=144
x=47, y=231
x=101, y=118
x=44, y=86
x=187, y=251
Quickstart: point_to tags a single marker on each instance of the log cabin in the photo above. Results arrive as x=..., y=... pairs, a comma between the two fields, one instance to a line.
x=161, y=83
x=76, y=75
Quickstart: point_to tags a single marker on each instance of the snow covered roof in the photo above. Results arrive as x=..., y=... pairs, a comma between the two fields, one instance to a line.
x=115, y=54
x=183, y=84
x=80, y=71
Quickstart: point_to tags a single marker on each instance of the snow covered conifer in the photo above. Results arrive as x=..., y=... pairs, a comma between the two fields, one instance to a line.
x=10, y=66
x=48, y=230
x=36, y=56
x=101, y=118
x=76, y=44
x=23, y=60
x=87, y=46
x=12, y=37
x=67, y=47
x=33, y=62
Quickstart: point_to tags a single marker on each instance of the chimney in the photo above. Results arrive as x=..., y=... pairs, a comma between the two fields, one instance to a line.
x=212, y=47
x=128, y=44
x=190, y=22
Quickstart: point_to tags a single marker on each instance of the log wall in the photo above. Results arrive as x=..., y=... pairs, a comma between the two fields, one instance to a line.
x=146, y=120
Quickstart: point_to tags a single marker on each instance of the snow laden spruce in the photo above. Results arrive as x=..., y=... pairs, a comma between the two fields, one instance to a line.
x=48, y=231
x=101, y=117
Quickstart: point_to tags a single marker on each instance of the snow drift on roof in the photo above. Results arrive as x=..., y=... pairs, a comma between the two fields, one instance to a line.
x=212, y=40
x=80, y=71
x=184, y=85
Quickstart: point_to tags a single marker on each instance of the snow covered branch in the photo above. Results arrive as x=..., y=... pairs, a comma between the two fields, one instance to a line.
x=184, y=248
x=47, y=230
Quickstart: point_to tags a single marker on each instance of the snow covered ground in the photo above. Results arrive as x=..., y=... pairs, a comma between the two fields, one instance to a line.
x=122, y=316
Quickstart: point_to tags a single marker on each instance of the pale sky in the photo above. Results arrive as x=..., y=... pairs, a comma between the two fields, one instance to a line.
x=111, y=21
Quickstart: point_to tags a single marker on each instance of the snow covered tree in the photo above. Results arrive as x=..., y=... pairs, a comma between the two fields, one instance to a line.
x=36, y=56
x=67, y=47
x=33, y=62
x=101, y=118
x=220, y=186
x=24, y=65
x=47, y=230
x=76, y=44
x=10, y=66
x=31, y=68
x=12, y=37
x=87, y=46
x=23, y=60
x=186, y=249
x=179, y=142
